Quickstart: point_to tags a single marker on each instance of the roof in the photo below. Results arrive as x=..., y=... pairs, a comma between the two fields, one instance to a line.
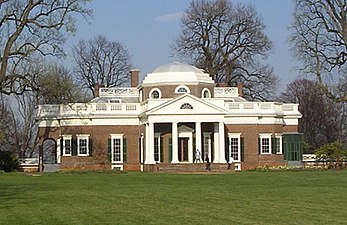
x=177, y=73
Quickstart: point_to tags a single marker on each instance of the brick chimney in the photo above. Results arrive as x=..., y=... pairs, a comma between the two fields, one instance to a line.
x=134, y=76
x=239, y=89
x=97, y=89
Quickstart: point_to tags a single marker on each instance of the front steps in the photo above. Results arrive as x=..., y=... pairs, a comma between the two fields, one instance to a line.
x=192, y=168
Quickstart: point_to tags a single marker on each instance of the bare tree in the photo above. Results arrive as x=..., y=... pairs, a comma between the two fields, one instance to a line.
x=228, y=42
x=323, y=120
x=319, y=41
x=29, y=28
x=99, y=61
x=20, y=128
x=56, y=85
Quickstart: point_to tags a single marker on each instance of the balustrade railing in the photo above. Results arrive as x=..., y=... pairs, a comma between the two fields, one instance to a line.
x=91, y=108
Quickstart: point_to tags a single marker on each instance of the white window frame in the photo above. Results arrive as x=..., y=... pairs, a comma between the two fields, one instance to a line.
x=207, y=145
x=238, y=137
x=117, y=136
x=157, y=147
x=279, y=137
x=203, y=91
x=182, y=86
x=265, y=136
x=82, y=137
x=67, y=138
x=153, y=90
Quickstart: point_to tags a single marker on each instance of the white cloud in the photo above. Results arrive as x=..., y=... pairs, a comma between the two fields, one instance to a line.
x=172, y=17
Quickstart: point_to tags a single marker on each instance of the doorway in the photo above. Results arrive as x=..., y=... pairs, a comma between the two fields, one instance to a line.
x=183, y=144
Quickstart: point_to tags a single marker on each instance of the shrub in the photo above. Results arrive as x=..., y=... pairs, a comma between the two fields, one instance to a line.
x=8, y=161
x=333, y=153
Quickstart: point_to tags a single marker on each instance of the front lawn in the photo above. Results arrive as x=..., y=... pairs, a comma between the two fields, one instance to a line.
x=303, y=197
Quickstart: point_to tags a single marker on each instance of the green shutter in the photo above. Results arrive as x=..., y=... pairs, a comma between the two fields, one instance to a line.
x=124, y=149
x=227, y=149
x=242, y=149
x=273, y=145
x=109, y=152
x=170, y=149
x=74, y=145
x=61, y=146
x=161, y=149
x=259, y=146
x=90, y=146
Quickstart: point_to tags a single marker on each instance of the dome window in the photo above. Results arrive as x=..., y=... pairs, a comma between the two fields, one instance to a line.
x=186, y=106
x=206, y=93
x=182, y=89
x=155, y=93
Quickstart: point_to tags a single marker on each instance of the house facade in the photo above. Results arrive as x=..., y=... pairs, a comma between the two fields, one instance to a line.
x=176, y=111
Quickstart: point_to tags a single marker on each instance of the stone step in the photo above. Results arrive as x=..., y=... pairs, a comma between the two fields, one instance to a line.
x=50, y=168
x=196, y=167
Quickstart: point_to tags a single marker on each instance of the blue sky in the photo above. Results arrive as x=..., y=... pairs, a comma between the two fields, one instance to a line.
x=148, y=27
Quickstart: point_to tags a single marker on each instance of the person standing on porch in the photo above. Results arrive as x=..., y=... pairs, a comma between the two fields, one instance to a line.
x=197, y=156
x=208, y=164
x=230, y=162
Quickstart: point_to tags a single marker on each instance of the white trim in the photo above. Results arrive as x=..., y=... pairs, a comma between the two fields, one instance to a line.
x=265, y=136
x=238, y=136
x=82, y=137
x=203, y=91
x=237, y=166
x=153, y=90
x=279, y=136
x=67, y=137
x=157, y=136
x=117, y=167
x=182, y=86
x=207, y=151
x=117, y=136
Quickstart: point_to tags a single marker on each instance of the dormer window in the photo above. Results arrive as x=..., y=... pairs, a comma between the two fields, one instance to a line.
x=155, y=93
x=206, y=93
x=182, y=89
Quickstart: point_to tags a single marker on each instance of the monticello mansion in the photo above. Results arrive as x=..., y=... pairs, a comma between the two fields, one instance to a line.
x=176, y=111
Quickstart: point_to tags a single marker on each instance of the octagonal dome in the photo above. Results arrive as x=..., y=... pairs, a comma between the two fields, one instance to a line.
x=177, y=73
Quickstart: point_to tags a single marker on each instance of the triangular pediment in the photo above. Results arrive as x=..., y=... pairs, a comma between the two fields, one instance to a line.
x=187, y=105
x=185, y=129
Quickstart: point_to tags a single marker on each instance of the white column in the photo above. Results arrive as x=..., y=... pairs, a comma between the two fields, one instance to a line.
x=198, y=138
x=174, y=143
x=216, y=143
x=151, y=143
x=147, y=145
x=221, y=143
x=58, y=150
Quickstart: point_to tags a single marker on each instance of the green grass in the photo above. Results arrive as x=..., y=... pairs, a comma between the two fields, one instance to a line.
x=304, y=197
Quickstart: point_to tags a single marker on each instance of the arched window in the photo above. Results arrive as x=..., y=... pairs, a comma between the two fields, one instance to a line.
x=155, y=93
x=186, y=106
x=205, y=93
x=182, y=89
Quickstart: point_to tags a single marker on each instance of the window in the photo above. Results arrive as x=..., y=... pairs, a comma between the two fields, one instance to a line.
x=278, y=144
x=155, y=93
x=117, y=148
x=186, y=106
x=265, y=143
x=67, y=145
x=206, y=93
x=157, y=147
x=207, y=145
x=182, y=89
x=83, y=145
x=235, y=146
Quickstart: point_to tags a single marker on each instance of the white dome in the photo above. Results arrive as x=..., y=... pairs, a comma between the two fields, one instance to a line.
x=177, y=73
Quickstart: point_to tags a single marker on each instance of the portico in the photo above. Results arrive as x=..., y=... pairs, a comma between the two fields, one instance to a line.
x=186, y=129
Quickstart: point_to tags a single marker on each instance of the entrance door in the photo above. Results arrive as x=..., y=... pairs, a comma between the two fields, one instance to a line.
x=183, y=149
